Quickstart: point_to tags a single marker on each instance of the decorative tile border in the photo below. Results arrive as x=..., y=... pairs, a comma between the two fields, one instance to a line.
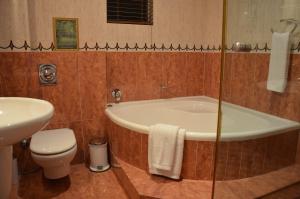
x=107, y=47
x=136, y=47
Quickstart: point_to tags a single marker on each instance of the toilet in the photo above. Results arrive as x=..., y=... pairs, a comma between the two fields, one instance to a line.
x=54, y=150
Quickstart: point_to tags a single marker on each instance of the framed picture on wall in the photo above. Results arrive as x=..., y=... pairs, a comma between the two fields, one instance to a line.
x=65, y=33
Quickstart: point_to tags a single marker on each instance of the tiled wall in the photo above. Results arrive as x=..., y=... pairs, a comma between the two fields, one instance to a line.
x=132, y=147
x=245, y=79
x=85, y=80
x=79, y=97
x=141, y=75
x=242, y=159
x=245, y=82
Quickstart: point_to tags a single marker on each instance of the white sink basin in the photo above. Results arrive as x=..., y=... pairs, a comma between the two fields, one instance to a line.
x=19, y=119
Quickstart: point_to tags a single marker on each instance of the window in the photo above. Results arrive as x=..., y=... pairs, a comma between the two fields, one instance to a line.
x=130, y=11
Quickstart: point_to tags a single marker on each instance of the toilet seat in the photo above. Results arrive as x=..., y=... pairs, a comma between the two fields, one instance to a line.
x=51, y=142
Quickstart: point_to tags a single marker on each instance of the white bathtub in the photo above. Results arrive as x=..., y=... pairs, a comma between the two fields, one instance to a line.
x=198, y=115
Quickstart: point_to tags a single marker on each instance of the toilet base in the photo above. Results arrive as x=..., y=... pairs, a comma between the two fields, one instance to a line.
x=57, y=172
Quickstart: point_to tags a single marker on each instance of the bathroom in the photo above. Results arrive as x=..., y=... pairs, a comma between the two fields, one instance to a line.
x=204, y=68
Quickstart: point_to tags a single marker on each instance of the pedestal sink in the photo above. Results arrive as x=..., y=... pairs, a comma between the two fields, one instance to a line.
x=19, y=119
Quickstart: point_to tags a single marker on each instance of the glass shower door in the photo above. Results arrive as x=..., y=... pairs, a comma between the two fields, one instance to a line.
x=258, y=153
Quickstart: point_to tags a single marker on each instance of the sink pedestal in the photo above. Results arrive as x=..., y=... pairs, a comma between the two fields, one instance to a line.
x=5, y=171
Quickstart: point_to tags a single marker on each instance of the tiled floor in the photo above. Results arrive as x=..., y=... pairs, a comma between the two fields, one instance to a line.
x=160, y=187
x=254, y=187
x=88, y=185
x=258, y=186
x=81, y=184
x=292, y=191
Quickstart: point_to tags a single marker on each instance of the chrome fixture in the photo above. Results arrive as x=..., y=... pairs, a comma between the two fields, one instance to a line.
x=47, y=74
x=116, y=94
x=163, y=87
x=240, y=47
x=25, y=143
x=165, y=90
x=289, y=21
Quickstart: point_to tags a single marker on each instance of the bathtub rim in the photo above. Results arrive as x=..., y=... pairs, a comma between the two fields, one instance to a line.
x=206, y=136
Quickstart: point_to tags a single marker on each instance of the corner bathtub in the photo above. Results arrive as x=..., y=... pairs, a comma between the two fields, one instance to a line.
x=247, y=135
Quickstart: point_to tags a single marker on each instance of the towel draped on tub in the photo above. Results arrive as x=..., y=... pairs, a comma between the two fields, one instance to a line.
x=165, y=150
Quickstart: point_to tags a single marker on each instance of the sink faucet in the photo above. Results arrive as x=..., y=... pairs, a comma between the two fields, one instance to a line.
x=116, y=94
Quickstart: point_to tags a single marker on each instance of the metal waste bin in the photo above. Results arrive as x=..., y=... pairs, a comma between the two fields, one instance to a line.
x=98, y=154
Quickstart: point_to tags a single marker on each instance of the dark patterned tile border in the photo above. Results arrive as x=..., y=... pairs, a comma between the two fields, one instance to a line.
x=136, y=47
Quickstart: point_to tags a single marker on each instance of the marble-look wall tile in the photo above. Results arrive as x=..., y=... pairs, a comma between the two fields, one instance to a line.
x=273, y=147
x=212, y=74
x=18, y=75
x=92, y=78
x=234, y=160
x=132, y=147
x=248, y=159
x=144, y=153
x=77, y=105
x=221, y=160
x=122, y=73
x=258, y=158
x=134, y=143
x=242, y=69
x=196, y=74
x=140, y=76
x=298, y=151
x=245, y=83
x=65, y=94
x=189, y=166
x=149, y=75
x=205, y=158
x=260, y=82
x=92, y=129
x=113, y=140
x=123, y=137
x=175, y=75
x=226, y=78
x=92, y=89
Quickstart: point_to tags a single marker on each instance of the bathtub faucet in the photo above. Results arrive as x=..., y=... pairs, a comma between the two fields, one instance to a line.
x=116, y=94
x=165, y=91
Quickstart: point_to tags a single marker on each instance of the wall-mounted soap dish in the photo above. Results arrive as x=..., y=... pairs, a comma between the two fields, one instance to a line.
x=241, y=47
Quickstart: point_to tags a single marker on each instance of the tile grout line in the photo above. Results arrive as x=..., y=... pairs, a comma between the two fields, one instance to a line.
x=204, y=74
x=227, y=156
x=81, y=110
x=196, y=165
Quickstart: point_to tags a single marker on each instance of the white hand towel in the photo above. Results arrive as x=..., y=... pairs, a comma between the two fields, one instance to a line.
x=165, y=150
x=279, y=62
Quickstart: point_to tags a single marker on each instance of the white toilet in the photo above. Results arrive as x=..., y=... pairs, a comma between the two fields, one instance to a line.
x=54, y=150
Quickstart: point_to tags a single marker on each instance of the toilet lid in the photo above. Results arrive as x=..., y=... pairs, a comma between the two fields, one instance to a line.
x=52, y=141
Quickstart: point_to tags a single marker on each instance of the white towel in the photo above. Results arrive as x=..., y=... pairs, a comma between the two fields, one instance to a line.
x=279, y=62
x=165, y=150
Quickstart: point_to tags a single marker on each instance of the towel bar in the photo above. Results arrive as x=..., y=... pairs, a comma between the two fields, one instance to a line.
x=289, y=21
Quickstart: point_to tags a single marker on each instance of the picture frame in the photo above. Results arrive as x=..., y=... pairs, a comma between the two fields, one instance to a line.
x=66, y=34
